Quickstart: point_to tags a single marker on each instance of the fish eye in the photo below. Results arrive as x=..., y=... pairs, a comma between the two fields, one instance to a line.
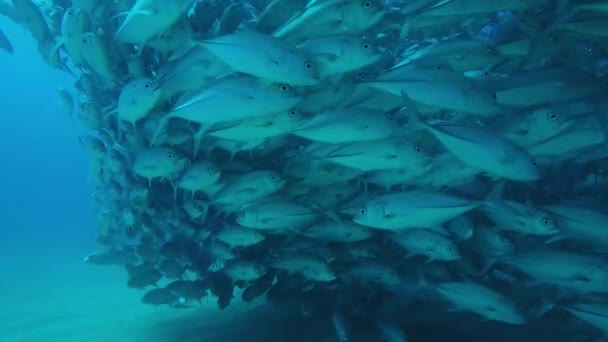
x=363, y=211
x=147, y=85
x=450, y=249
x=488, y=48
x=546, y=221
x=418, y=149
x=284, y=88
x=170, y=155
x=485, y=73
x=308, y=65
x=534, y=163
x=272, y=177
x=552, y=116
x=365, y=46
x=439, y=67
x=70, y=12
x=367, y=4
x=292, y=112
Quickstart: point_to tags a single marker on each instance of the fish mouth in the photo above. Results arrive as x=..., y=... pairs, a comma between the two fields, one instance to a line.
x=552, y=231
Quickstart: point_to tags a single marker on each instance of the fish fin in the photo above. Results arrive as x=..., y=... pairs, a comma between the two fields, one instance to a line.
x=110, y=113
x=121, y=14
x=162, y=128
x=409, y=254
x=555, y=238
x=141, y=12
x=412, y=112
x=197, y=138
x=487, y=264
x=544, y=307
x=56, y=46
x=495, y=195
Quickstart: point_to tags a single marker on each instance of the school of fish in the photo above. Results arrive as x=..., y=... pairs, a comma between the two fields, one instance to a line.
x=361, y=161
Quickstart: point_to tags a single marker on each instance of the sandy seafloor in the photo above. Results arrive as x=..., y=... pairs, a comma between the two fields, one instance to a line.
x=53, y=296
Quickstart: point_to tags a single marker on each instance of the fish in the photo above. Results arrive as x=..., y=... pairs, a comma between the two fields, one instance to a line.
x=339, y=17
x=191, y=71
x=391, y=332
x=437, y=88
x=249, y=188
x=486, y=152
x=74, y=25
x=137, y=98
x=348, y=126
x=159, y=162
x=276, y=215
x=148, y=18
x=249, y=98
x=244, y=271
x=159, y=296
x=580, y=223
x=236, y=236
x=411, y=210
x=484, y=301
x=268, y=58
x=339, y=232
x=203, y=176
x=66, y=100
x=518, y=217
x=427, y=242
x=340, y=326
x=310, y=266
x=97, y=56
x=30, y=16
x=334, y=55
x=261, y=128
x=372, y=272
x=594, y=314
x=573, y=272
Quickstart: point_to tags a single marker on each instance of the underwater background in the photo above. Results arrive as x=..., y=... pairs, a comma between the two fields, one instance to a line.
x=48, y=217
x=48, y=225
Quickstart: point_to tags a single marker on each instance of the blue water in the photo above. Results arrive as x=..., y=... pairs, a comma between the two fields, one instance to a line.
x=48, y=224
x=46, y=203
x=47, y=218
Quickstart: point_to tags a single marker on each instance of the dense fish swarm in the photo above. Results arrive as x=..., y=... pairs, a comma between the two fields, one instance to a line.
x=374, y=164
